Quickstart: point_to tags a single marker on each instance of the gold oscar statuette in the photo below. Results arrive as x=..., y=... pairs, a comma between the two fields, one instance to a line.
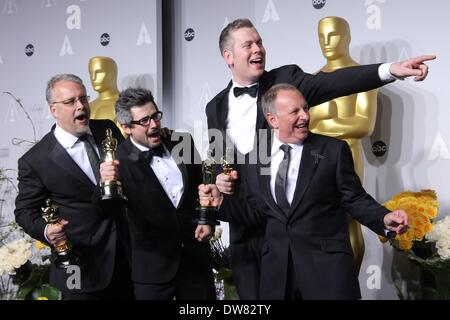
x=64, y=256
x=226, y=161
x=111, y=190
x=207, y=211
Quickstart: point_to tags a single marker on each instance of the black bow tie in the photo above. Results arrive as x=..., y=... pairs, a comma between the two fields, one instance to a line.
x=251, y=91
x=156, y=151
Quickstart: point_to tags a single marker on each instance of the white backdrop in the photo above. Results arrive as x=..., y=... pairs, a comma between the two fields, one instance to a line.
x=412, y=117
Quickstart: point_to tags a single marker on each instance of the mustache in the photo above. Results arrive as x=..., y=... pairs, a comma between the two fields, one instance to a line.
x=153, y=132
x=81, y=114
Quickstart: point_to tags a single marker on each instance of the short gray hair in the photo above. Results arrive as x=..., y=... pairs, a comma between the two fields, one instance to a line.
x=226, y=39
x=61, y=77
x=129, y=98
x=269, y=98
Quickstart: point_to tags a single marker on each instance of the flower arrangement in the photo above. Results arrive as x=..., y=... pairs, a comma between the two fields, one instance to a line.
x=14, y=254
x=427, y=241
x=222, y=268
x=20, y=277
x=422, y=210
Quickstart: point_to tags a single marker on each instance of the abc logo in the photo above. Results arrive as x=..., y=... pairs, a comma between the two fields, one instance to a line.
x=379, y=148
x=29, y=50
x=318, y=4
x=104, y=39
x=189, y=34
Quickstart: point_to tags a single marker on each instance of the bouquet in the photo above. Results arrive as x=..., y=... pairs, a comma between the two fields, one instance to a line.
x=427, y=241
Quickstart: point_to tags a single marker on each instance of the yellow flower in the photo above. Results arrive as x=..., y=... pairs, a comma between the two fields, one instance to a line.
x=422, y=208
x=42, y=298
x=405, y=245
x=40, y=245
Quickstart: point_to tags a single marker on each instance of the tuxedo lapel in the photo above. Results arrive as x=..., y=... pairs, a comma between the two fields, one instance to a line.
x=222, y=108
x=63, y=160
x=264, y=84
x=311, y=157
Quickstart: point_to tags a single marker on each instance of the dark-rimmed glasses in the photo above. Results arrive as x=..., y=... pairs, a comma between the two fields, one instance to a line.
x=145, y=121
x=71, y=102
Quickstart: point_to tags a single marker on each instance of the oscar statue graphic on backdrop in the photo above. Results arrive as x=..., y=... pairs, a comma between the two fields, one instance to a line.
x=351, y=117
x=103, y=74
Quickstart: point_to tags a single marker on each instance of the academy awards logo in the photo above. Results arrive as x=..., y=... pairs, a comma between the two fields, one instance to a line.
x=189, y=34
x=29, y=50
x=105, y=39
x=319, y=4
x=379, y=148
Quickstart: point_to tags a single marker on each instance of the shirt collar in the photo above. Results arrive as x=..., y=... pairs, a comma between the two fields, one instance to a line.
x=142, y=148
x=66, y=139
x=235, y=84
x=137, y=145
x=276, y=143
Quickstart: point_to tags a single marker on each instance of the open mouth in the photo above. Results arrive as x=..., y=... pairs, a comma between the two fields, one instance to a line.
x=81, y=117
x=302, y=125
x=154, y=134
x=256, y=61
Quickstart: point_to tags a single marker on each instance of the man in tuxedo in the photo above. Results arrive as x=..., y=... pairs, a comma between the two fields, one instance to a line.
x=237, y=114
x=63, y=167
x=170, y=252
x=304, y=191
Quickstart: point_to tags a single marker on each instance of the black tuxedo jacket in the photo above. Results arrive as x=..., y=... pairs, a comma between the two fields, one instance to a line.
x=47, y=171
x=315, y=230
x=315, y=88
x=160, y=232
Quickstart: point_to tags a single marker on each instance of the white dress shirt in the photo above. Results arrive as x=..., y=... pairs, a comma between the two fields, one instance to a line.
x=277, y=156
x=75, y=149
x=168, y=174
x=241, y=120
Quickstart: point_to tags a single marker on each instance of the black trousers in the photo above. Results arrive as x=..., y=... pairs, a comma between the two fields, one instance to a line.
x=191, y=282
x=120, y=287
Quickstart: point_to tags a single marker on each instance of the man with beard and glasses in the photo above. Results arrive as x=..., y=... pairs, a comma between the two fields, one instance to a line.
x=170, y=252
x=64, y=167
x=236, y=112
x=304, y=192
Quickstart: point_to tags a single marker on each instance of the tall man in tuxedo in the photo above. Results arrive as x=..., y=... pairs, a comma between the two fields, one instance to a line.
x=63, y=167
x=170, y=252
x=237, y=114
x=304, y=191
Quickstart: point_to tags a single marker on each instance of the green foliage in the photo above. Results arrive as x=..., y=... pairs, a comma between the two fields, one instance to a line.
x=32, y=280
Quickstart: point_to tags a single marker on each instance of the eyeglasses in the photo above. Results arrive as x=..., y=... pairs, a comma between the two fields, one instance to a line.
x=71, y=102
x=145, y=121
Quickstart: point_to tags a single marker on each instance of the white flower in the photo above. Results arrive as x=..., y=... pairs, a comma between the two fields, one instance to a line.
x=13, y=255
x=441, y=235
